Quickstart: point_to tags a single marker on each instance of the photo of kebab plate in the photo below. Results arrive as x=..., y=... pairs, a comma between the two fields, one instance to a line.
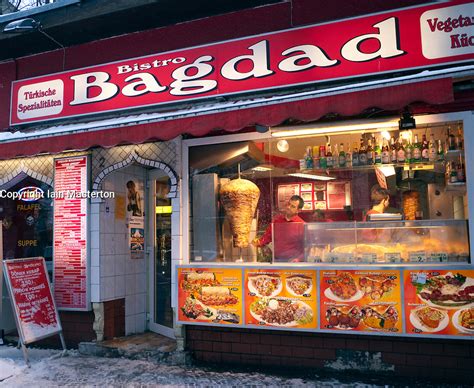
x=299, y=285
x=449, y=291
x=281, y=312
x=343, y=288
x=429, y=319
x=343, y=317
x=264, y=284
x=380, y=317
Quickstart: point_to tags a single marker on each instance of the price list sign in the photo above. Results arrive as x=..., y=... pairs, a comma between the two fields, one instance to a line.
x=70, y=231
x=33, y=303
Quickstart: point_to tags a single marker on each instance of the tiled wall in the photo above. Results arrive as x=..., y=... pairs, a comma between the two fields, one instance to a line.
x=114, y=274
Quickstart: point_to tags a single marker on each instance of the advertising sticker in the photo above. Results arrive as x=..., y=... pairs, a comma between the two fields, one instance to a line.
x=32, y=300
x=361, y=300
x=210, y=295
x=281, y=298
x=439, y=302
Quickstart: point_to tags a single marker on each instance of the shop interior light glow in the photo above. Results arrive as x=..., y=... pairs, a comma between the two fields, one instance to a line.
x=311, y=176
x=262, y=168
x=302, y=130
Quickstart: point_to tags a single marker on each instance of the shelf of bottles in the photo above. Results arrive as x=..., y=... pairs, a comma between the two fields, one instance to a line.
x=407, y=152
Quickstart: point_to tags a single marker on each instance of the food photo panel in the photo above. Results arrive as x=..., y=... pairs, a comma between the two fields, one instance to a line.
x=360, y=300
x=210, y=295
x=439, y=302
x=280, y=298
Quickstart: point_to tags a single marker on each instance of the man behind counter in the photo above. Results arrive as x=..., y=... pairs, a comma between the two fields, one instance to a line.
x=288, y=229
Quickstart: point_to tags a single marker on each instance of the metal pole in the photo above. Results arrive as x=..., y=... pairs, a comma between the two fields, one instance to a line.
x=25, y=354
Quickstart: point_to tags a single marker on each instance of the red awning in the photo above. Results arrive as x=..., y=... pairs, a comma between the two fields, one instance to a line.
x=433, y=92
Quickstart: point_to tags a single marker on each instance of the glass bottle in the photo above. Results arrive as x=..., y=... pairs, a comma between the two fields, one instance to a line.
x=377, y=153
x=459, y=139
x=451, y=140
x=342, y=156
x=329, y=158
x=362, y=153
x=425, y=150
x=348, y=156
x=335, y=156
x=416, y=151
x=401, y=154
x=370, y=152
x=393, y=150
x=432, y=152
x=309, y=158
x=409, y=152
x=323, y=163
x=355, y=155
x=440, y=153
x=386, y=154
x=460, y=174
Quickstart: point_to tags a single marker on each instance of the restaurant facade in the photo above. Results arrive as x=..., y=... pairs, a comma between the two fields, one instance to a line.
x=296, y=193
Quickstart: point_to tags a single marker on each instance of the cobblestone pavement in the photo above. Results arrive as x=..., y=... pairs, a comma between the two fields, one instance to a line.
x=49, y=370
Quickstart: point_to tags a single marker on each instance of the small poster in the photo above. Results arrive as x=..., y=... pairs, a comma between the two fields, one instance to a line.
x=338, y=195
x=136, y=219
x=30, y=292
x=210, y=295
x=285, y=192
x=439, y=302
x=361, y=300
x=281, y=298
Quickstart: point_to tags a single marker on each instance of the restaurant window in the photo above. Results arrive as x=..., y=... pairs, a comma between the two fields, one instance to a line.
x=28, y=222
x=349, y=196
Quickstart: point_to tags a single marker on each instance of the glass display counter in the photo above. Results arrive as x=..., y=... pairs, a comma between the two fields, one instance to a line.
x=388, y=242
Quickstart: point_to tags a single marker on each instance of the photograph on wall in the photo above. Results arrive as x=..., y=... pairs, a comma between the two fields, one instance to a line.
x=210, y=295
x=361, y=300
x=439, y=302
x=281, y=298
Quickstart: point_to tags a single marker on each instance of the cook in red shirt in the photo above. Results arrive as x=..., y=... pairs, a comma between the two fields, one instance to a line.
x=380, y=199
x=288, y=229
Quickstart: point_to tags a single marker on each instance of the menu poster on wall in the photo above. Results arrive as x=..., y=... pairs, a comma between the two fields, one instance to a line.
x=281, y=298
x=361, y=300
x=70, y=233
x=439, y=302
x=33, y=303
x=338, y=195
x=210, y=295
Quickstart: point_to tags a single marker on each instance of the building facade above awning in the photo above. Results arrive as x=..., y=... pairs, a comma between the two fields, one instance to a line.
x=429, y=87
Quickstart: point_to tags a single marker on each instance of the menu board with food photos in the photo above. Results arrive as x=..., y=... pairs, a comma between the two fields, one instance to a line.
x=210, y=295
x=281, y=298
x=360, y=300
x=439, y=302
x=313, y=194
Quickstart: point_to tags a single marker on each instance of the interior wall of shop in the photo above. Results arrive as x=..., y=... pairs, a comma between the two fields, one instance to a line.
x=233, y=25
x=118, y=276
x=443, y=359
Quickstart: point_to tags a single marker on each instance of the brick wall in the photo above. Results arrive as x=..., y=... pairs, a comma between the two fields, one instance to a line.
x=450, y=360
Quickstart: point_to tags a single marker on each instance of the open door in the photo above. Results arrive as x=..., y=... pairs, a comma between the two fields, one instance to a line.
x=160, y=210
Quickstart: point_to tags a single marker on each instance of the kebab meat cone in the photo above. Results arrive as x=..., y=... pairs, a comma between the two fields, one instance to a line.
x=239, y=198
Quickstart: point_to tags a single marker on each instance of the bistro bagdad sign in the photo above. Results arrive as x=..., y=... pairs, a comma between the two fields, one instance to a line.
x=412, y=38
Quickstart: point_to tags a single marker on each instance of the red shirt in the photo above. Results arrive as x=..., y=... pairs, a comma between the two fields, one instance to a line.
x=289, y=238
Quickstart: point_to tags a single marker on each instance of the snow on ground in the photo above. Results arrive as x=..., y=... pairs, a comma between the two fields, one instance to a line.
x=50, y=370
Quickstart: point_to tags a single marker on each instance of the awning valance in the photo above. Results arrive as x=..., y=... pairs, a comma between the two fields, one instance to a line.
x=231, y=117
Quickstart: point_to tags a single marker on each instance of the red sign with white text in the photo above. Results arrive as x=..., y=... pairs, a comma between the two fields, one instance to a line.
x=419, y=37
x=30, y=292
x=70, y=233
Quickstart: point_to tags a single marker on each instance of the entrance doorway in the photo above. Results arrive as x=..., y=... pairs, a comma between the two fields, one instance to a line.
x=160, y=210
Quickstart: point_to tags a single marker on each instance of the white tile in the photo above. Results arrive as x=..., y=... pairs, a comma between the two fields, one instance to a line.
x=141, y=283
x=95, y=222
x=108, y=244
x=176, y=246
x=109, y=290
x=95, y=275
x=140, y=323
x=129, y=265
x=95, y=257
x=119, y=286
x=130, y=325
x=130, y=286
x=130, y=305
x=95, y=293
x=119, y=265
x=95, y=240
x=140, y=303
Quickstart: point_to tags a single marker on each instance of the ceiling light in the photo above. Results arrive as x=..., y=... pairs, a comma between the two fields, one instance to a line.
x=283, y=145
x=311, y=176
x=262, y=168
x=302, y=130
